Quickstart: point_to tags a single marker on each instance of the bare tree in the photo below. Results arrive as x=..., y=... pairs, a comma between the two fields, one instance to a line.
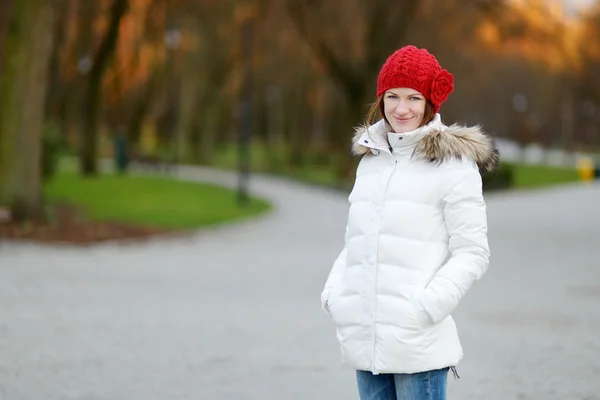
x=92, y=97
x=380, y=30
x=353, y=48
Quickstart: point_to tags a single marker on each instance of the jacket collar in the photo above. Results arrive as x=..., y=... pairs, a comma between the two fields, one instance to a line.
x=434, y=142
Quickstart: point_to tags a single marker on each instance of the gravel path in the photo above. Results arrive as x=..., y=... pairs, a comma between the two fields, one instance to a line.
x=233, y=312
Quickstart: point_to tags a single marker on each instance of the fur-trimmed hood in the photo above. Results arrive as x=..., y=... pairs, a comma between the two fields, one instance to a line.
x=435, y=142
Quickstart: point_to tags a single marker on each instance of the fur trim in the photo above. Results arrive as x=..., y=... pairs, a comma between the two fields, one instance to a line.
x=455, y=141
x=357, y=148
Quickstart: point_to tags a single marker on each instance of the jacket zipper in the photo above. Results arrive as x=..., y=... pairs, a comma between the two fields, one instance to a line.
x=377, y=259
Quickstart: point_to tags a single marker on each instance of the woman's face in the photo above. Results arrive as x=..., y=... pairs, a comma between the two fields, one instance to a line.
x=404, y=109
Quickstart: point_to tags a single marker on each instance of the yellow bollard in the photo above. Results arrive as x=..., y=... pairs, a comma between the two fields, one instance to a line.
x=585, y=167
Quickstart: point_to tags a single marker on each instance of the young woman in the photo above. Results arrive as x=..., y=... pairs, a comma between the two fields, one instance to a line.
x=416, y=238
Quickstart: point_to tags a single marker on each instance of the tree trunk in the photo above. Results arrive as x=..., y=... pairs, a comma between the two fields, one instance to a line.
x=27, y=202
x=140, y=110
x=12, y=46
x=188, y=95
x=297, y=135
x=275, y=116
x=84, y=13
x=318, y=123
x=5, y=14
x=55, y=94
x=92, y=97
x=208, y=130
x=22, y=112
x=353, y=115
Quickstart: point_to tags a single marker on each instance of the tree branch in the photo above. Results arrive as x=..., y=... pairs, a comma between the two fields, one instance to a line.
x=337, y=70
x=386, y=31
x=107, y=46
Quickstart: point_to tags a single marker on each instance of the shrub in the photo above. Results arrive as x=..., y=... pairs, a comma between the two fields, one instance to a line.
x=502, y=178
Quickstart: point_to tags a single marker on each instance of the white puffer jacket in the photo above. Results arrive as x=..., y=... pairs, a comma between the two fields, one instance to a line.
x=416, y=241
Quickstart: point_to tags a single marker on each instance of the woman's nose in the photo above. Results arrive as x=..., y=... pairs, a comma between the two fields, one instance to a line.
x=402, y=107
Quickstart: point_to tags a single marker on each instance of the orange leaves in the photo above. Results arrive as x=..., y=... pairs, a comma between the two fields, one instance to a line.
x=590, y=33
x=538, y=31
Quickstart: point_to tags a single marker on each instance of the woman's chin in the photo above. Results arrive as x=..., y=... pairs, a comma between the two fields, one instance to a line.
x=403, y=128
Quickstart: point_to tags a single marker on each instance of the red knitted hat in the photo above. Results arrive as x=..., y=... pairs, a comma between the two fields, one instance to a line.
x=419, y=70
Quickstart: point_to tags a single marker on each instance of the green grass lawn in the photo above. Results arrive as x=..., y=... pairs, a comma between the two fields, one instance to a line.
x=157, y=202
x=533, y=176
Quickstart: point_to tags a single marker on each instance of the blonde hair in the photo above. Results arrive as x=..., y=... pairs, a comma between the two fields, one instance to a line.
x=377, y=111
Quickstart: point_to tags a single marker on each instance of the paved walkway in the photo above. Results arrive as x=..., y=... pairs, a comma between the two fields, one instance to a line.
x=233, y=313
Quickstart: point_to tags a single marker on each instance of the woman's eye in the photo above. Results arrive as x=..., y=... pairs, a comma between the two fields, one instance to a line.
x=415, y=98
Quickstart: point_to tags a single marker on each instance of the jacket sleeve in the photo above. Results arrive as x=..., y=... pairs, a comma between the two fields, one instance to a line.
x=335, y=276
x=466, y=221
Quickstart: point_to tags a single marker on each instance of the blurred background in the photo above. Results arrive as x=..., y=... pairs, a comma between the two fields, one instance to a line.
x=276, y=86
x=139, y=119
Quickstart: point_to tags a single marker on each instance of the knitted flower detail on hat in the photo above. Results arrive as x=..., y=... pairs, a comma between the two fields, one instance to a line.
x=442, y=86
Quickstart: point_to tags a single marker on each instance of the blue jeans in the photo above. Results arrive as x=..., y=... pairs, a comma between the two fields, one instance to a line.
x=430, y=385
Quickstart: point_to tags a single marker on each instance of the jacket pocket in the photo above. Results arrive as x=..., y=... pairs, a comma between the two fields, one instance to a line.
x=420, y=314
x=344, y=310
